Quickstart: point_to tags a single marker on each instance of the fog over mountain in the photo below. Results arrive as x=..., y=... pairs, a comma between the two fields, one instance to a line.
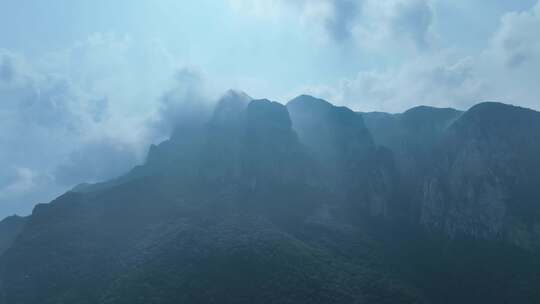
x=256, y=201
x=85, y=89
x=369, y=151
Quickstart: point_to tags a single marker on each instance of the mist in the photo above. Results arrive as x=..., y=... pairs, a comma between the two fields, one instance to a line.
x=269, y=151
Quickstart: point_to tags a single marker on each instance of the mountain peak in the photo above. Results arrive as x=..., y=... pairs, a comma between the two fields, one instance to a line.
x=493, y=107
x=497, y=116
x=265, y=193
x=230, y=107
x=266, y=111
x=424, y=118
x=236, y=94
x=419, y=110
x=308, y=101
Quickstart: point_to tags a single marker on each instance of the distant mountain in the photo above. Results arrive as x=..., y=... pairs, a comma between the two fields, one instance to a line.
x=303, y=203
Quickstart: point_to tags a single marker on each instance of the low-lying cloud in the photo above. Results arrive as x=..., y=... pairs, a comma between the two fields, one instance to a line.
x=85, y=114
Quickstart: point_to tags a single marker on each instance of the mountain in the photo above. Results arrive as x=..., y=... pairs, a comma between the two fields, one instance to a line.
x=10, y=228
x=470, y=173
x=344, y=148
x=265, y=203
x=412, y=137
x=485, y=183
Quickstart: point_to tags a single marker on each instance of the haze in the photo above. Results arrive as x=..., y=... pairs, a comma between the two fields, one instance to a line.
x=85, y=87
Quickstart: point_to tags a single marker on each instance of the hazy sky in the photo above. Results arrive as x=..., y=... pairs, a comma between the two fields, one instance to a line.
x=85, y=86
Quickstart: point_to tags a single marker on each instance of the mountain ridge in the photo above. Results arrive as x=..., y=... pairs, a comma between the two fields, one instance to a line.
x=298, y=203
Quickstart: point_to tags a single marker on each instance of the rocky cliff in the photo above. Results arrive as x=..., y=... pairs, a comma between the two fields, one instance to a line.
x=309, y=202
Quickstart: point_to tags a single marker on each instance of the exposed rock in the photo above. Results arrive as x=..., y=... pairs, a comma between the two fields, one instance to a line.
x=486, y=180
x=258, y=205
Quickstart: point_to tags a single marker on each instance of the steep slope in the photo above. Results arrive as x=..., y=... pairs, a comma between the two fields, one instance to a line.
x=417, y=128
x=412, y=137
x=486, y=182
x=223, y=212
x=262, y=203
x=352, y=164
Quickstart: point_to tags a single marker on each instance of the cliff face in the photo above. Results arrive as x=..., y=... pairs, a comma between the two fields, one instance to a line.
x=228, y=210
x=412, y=137
x=485, y=180
x=468, y=174
x=273, y=152
x=309, y=202
x=343, y=147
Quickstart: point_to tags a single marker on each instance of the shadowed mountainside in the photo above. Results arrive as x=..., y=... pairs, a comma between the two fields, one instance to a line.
x=303, y=203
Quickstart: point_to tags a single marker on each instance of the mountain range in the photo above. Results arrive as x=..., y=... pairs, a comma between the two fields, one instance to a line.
x=260, y=202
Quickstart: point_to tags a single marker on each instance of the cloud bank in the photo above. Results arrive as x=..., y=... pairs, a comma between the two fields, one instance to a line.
x=371, y=24
x=88, y=111
x=504, y=70
x=85, y=114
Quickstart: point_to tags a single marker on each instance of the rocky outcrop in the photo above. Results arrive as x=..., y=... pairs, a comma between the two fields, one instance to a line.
x=273, y=152
x=485, y=182
x=469, y=174
x=220, y=212
x=303, y=203
x=342, y=145
x=412, y=137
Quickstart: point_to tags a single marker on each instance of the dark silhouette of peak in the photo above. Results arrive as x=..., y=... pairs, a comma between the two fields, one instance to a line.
x=425, y=115
x=236, y=94
x=333, y=134
x=495, y=107
x=426, y=110
x=428, y=122
x=264, y=112
x=310, y=110
x=498, y=124
x=497, y=116
x=338, y=139
x=257, y=202
x=420, y=126
x=230, y=110
x=233, y=99
x=499, y=111
x=309, y=107
x=309, y=102
x=271, y=143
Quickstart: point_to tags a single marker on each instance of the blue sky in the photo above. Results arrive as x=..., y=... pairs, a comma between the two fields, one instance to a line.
x=82, y=83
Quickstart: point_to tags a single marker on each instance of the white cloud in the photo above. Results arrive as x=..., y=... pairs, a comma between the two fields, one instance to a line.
x=506, y=71
x=21, y=179
x=20, y=183
x=371, y=24
x=191, y=99
x=512, y=61
x=389, y=24
x=88, y=111
x=44, y=117
x=441, y=80
x=82, y=114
